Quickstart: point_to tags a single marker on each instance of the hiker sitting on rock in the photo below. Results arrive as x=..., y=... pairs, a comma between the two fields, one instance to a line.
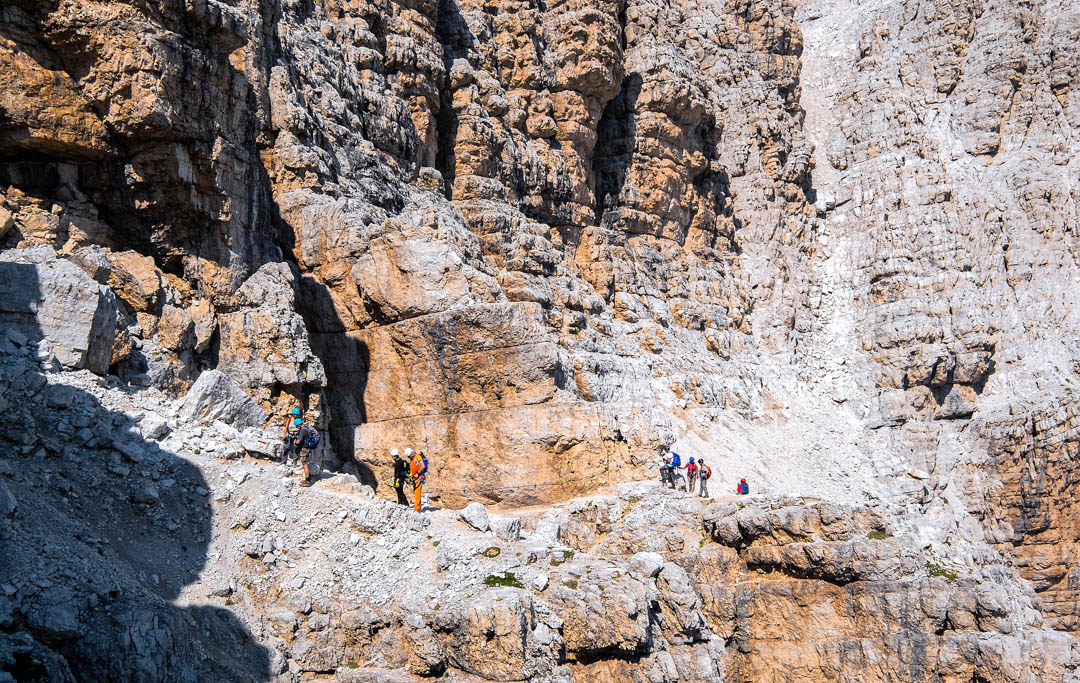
x=743, y=488
x=401, y=476
x=299, y=438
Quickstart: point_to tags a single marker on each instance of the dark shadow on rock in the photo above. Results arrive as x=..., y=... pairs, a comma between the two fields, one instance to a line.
x=452, y=31
x=615, y=144
x=346, y=362
x=107, y=529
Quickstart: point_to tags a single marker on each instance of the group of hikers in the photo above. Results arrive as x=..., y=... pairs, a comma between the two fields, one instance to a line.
x=300, y=438
x=696, y=471
x=413, y=471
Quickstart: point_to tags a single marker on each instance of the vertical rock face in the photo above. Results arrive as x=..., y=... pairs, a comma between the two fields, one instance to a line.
x=54, y=305
x=820, y=243
x=943, y=173
x=586, y=269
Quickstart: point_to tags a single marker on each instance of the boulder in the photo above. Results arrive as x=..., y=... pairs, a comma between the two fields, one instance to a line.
x=7, y=501
x=154, y=427
x=94, y=261
x=147, y=494
x=959, y=402
x=476, y=516
x=176, y=329
x=635, y=489
x=260, y=443
x=136, y=280
x=348, y=483
x=506, y=528
x=215, y=396
x=225, y=431
x=59, y=395
x=131, y=450
x=266, y=342
x=647, y=564
x=53, y=302
x=549, y=528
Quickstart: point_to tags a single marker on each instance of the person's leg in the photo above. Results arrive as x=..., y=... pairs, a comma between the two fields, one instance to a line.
x=704, y=488
x=691, y=478
x=418, y=489
x=305, y=454
x=401, y=499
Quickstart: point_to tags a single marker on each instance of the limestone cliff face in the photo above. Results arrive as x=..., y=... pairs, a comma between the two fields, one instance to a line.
x=819, y=242
x=945, y=178
x=513, y=229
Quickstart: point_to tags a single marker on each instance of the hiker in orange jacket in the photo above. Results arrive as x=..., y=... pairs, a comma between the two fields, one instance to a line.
x=418, y=469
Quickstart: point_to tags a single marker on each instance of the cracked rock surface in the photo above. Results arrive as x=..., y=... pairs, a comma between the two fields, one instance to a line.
x=826, y=245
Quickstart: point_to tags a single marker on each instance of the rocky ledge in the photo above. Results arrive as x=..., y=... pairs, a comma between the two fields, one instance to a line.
x=142, y=539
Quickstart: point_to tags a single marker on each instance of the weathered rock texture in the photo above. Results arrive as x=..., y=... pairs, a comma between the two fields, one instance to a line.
x=945, y=181
x=171, y=559
x=819, y=243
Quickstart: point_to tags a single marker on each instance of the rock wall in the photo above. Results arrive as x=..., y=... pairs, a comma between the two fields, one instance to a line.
x=943, y=180
x=821, y=243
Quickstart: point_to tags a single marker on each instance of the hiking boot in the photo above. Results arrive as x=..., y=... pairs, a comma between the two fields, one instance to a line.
x=305, y=483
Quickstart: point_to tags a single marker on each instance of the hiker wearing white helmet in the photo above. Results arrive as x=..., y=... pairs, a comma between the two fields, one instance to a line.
x=401, y=475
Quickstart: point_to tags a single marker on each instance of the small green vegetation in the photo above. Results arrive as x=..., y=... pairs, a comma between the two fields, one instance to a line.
x=566, y=557
x=702, y=542
x=506, y=579
x=742, y=505
x=436, y=607
x=877, y=535
x=435, y=544
x=353, y=665
x=937, y=570
x=572, y=584
x=493, y=551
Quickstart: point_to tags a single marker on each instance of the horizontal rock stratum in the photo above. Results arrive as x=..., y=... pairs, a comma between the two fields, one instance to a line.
x=819, y=244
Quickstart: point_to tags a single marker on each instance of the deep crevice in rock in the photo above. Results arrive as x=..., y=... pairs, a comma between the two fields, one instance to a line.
x=453, y=34
x=614, y=146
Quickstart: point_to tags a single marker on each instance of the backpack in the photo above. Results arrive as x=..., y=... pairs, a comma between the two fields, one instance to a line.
x=676, y=461
x=312, y=439
x=705, y=471
x=745, y=488
x=423, y=458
